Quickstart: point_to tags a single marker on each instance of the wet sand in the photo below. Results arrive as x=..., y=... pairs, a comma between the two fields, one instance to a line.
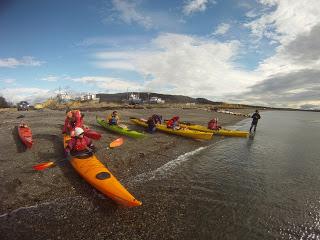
x=58, y=204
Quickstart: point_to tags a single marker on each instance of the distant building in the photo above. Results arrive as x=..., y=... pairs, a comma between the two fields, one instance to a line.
x=134, y=99
x=156, y=100
x=87, y=97
x=63, y=97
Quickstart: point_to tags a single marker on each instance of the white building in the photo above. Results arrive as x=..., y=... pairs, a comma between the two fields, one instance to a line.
x=87, y=97
x=156, y=100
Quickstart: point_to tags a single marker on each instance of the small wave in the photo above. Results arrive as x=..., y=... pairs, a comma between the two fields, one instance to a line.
x=164, y=169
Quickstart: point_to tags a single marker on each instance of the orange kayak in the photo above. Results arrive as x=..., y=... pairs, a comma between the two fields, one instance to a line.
x=25, y=135
x=95, y=173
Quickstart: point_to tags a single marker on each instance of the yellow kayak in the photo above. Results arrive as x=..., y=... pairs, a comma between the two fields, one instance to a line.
x=222, y=132
x=95, y=173
x=182, y=132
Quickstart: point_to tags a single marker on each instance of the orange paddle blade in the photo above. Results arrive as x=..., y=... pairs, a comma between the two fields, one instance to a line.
x=116, y=143
x=43, y=166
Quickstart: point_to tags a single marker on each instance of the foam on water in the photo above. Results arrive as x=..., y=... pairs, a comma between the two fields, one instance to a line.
x=165, y=169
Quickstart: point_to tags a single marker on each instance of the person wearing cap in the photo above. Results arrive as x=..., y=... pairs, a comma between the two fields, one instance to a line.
x=113, y=118
x=79, y=143
x=255, y=118
x=74, y=119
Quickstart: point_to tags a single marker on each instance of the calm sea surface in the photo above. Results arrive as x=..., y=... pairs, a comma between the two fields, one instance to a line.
x=267, y=187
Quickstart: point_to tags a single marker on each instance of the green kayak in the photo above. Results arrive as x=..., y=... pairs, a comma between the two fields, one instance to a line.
x=120, y=130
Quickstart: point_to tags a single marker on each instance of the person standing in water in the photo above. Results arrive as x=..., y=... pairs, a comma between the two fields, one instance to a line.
x=255, y=118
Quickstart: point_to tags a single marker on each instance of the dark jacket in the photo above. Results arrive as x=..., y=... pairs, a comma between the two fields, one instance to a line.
x=256, y=117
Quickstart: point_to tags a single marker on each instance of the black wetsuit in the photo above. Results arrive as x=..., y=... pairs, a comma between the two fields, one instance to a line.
x=256, y=117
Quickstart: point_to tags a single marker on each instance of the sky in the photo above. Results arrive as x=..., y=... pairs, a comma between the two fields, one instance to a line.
x=261, y=52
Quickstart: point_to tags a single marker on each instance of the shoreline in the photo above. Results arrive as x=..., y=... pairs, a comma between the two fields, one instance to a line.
x=22, y=187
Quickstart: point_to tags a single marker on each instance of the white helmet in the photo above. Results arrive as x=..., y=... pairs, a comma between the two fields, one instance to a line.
x=78, y=131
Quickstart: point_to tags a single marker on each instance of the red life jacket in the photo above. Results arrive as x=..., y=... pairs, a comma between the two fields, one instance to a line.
x=213, y=125
x=171, y=122
x=75, y=121
x=79, y=144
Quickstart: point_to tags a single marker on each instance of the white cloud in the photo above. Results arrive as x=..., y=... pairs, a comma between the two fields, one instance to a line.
x=187, y=65
x=193, y=6
x=25, y=94
x=8, y=81
x=129, y=13
x=289, y=19
x=116, y=65
x=222, y=29
x=24, y=61
x=290, y=76
x=108, y=84
x=50, y=78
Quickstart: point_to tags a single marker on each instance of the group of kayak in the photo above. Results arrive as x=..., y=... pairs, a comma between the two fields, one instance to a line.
x=186, y=129
x=79, y=148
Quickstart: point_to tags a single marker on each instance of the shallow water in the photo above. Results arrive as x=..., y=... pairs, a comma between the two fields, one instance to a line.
x=261, y=188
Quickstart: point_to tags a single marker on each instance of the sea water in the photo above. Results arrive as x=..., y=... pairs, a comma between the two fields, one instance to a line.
x=266, y=187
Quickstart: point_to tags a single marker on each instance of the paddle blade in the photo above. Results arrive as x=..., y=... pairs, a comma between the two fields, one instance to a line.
x=42, y=166
x=92, y=134
x=116, y=143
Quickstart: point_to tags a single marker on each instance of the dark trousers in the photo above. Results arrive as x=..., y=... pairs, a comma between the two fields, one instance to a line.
x=254, y=126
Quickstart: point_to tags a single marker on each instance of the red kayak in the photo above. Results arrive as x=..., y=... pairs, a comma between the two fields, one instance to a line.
x=25, y=135
x=92, y=134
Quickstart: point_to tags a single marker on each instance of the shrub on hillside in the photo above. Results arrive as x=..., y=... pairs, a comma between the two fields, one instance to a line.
x=3, y=103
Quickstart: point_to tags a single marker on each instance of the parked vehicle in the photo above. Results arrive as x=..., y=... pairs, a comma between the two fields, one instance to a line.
x=23, y=106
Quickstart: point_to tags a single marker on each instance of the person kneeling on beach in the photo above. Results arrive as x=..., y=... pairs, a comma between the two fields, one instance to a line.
x=151, y=125
x=113, y=118
x=79, y=143
x=173, y=123
x=157, y=118
x=73, y=119
x=213, y=124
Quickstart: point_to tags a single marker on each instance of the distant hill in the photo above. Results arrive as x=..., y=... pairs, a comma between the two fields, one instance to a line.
x=118, y=97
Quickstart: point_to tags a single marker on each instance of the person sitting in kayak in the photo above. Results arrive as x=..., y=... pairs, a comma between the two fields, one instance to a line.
x=213, y=124
x=151, y=125
x=173, y=123
x=79, y=143
x=113, y=118
x=73, y=119
x=157, y=118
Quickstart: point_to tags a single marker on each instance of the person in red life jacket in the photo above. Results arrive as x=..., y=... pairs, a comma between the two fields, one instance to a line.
x=79, y=143
x=213, y=124
x=73, y=119
x=173, y=123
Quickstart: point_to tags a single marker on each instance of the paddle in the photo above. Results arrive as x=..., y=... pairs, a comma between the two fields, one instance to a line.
x=45, y=165
x=39, y=167
x=42, y=166
x=92, y=134
x=116, y=143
